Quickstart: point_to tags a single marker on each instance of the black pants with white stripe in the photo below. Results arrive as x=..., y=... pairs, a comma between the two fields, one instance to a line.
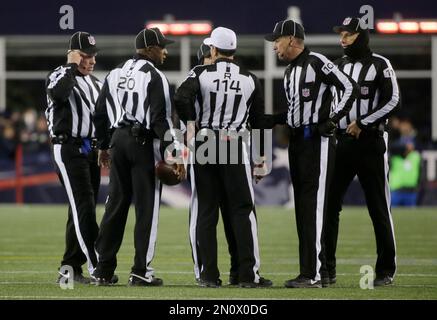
x=229, y=234
x=367, y=159
x=211, y=183
x=132, y=176
x=80, y=176
x=311, y=165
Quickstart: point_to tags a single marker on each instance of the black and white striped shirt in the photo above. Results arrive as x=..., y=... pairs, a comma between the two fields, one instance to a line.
x=378, y=90
x=222, y=95
x=308, y=81
x=135, y=91
x=71, y=99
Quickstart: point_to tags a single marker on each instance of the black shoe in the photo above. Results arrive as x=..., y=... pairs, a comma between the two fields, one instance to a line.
x=209, y=284
x=233, y=280
x=302, y=282
x=142, y=281
x=101, y=281
x=327, y=281
x=263, y=283
x=383, y=281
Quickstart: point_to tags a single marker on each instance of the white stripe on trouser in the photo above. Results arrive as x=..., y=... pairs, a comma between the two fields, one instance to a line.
x=254, y=228
x=58, y=159
x=155, y=218
x=324, y=147
x=388, y=195
x=194, y=210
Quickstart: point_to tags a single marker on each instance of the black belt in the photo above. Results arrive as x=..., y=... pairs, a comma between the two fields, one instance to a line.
x=66, y=139
x=305, y=131
x=139, y=132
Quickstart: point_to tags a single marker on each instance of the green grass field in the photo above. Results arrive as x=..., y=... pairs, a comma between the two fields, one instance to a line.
x=32, y=243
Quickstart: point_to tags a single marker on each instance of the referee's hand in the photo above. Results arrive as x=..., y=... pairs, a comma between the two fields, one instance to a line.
x=104, y=159
x=353, y=129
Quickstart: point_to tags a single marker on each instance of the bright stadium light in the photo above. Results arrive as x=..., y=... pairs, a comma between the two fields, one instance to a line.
x=411, y=26
x=182, y=28
x=161, y=26
x=200, y=28
x=387, y=27
x=428, y=26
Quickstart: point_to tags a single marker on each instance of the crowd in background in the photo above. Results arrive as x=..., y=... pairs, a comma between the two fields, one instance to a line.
x=29, y=128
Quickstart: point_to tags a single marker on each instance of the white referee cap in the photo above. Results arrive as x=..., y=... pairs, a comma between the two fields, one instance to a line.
x=222, y=38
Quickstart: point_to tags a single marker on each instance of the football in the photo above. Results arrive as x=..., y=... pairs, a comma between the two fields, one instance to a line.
x=165, y=173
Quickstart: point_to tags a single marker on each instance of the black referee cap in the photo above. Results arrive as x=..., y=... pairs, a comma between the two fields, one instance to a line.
x=84, y=42
x=350, y=24
x=203, y=52
x=286, y=28
x=151, y=37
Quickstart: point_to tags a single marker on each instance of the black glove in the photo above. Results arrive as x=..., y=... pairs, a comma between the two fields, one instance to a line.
x=327, y=128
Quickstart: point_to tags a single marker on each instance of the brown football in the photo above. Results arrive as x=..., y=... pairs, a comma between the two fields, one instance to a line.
x=164, y=172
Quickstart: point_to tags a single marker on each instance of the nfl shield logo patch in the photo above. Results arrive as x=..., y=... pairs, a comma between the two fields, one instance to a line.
x=91, y=40
x=306, y=92
x=364, y=90
x=347, y=21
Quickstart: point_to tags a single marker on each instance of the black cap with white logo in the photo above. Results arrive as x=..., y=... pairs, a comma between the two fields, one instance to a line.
x=84, y=42
x=349, y=24
x=203, y=52
x=151, y=37
x=286, y=28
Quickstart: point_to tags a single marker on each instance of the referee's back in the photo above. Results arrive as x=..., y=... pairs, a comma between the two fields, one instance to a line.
x=223, y=95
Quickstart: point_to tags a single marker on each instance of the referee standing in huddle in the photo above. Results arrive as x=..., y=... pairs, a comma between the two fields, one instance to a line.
x=362, y=147
x=204, y=58
x=135, y=105
x=308, y=81
x=225, y=101
x=72, y=92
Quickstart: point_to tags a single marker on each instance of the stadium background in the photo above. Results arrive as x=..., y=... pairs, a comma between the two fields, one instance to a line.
x=32, y=235
x=32, y=43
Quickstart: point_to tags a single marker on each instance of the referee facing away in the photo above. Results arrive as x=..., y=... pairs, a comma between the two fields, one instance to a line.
x=224, y=100
x=308, y=81
x=72, y=92
x=204, y=58
x=362, y=147
x=135, y=104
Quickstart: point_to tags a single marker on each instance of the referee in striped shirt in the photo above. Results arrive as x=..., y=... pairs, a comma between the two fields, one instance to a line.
x=225, y=101
x=72, y=92
x=204, y=58
x=135, y=106
x=362, y=146
x=308, y=81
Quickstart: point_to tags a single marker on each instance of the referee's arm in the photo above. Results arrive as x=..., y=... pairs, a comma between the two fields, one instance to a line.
x=185, y=98
x=101, y=119
x=257, y=118
x=160, y=107
x=333, y=76
x=61, y=81
x=389, y=98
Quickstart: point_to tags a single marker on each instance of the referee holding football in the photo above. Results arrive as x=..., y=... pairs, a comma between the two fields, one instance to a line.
x=308, y=81
x=362, y=147
x=72, y=92
x=135, y=106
